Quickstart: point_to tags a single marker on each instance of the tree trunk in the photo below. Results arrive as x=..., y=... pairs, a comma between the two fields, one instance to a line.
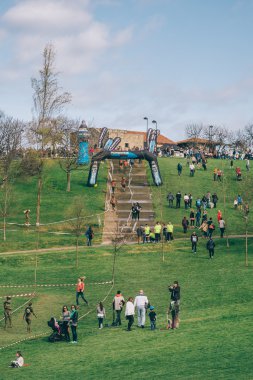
x=77, y=252
x=68, y=181
x=4, y=228
x=38, y=201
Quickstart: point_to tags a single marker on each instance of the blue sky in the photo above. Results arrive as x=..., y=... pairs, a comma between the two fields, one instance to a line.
x=175, y=61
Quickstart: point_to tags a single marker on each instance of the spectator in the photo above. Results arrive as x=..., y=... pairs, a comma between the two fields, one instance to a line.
x=211, y=227
x=192, y=170
x=246, y=209
x=215, y=174
x=194, y=240
x=118, y=302
x=190, y=200
x=198, y=216
x=146, y=233
x=100, y=314
x=239, y=202
x=129, y=313
x=178, y=199
x=215, y=199
x=210, y=247
x=138, y=210
x=141, y=302
x=152, y=318
x=192, y=218
x=140, y=234
x=73, y=322
x=219, y=175
x=18, y=362
x=170, y=199
x=219, y=215
x=89, y=235
x=204, y=228
x=222, y=227
x=179, y=168
x=157, y=230
x=170, y=229
x=235, y=203
x=186, y=201
x=247, y=165
x=185, y=224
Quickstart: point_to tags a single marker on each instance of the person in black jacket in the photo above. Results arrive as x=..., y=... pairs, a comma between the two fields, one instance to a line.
x=215, y=199
x=174, y=303
x=194, y=240
x=174, y=289
x=210, y=246
x=178, y=199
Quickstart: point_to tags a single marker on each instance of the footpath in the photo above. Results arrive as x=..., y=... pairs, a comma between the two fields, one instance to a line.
x=118, y=224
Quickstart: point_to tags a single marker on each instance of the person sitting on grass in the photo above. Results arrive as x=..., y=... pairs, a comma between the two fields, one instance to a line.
x=18, y=362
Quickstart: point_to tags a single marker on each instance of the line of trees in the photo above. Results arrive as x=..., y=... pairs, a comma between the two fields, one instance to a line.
x=241, y=139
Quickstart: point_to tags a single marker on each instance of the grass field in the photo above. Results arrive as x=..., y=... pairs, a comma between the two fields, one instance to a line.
x=214, y=340
x=57, y=206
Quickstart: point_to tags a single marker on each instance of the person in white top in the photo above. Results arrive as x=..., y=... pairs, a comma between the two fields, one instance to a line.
x=129, y=312
x=141, y=302
x=222, y=227
x=19, y=362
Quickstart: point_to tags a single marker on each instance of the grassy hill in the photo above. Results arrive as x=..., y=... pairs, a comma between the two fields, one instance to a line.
x=57, y=207
x=215, y=333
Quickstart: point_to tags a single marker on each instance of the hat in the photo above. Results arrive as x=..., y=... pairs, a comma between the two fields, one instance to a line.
x=151, y=307
x=83, y=278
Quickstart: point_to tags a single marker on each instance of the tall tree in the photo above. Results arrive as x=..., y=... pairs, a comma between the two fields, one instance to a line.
x=10, y=143
x=194, y=131
x=49, y=101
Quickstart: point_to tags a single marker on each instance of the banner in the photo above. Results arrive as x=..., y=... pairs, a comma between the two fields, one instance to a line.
x=115, y=143
x=101, y=137
x=83, y=153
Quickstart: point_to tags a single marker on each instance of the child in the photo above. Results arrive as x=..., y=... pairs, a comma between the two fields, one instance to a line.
x=152, y=317
x=100, y=314
x=19, y=362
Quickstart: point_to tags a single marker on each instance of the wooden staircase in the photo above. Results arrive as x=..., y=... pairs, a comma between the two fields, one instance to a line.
x=119, y=224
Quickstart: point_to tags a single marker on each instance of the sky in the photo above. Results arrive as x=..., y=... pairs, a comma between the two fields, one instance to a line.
x=178, y=62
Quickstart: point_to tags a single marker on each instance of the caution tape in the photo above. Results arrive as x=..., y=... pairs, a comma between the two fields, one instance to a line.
x=23, y=340
x=19, y=295
x=52, y=285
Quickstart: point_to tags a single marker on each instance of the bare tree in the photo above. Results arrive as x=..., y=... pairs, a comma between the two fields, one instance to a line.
x=49, y=102
x=239, y=140
x=48, y=99
x=77, y=224
x=248, y=131
x=32, y=164
x=10, y=140
x=68, y=161
x=194, y=131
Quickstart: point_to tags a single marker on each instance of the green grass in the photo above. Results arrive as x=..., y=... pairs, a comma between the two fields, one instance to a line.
x=56, y=206
x=198, y=186
x=214, y=338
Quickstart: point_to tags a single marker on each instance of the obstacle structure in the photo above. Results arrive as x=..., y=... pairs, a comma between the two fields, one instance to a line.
x=83, y=151
x=108, y=152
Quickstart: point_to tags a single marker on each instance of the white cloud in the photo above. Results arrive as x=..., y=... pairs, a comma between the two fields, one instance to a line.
x=78, y=38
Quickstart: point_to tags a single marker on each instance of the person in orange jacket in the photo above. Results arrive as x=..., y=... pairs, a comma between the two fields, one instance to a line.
x=80, y=290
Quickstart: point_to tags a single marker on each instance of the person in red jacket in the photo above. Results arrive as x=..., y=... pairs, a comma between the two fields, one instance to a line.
x=80, y=290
